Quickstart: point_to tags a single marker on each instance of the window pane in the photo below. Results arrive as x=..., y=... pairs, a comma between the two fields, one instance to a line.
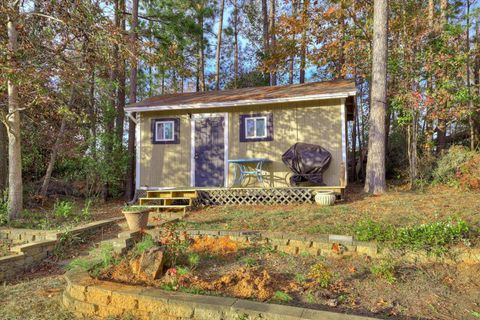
x=261, y=128
x=168, y=126
x=250, y=125
x=160, y=135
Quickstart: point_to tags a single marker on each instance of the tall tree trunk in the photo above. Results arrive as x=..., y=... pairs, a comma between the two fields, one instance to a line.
x=375, y=176
x=111, y=113
x=412, y=130
x=303, y=42
x=442, y=122
x=271, y=46
x=354, y=145
x=130, y=181
x=3, y=158
x=469, y=85
x=476, y=79
x=219, y=45
x=291, y=67
x=120, y=120
x=428, y=122
x=235, y=43
x=265, y=32
x=15, y=184
x=201, y=54
x=53, y=157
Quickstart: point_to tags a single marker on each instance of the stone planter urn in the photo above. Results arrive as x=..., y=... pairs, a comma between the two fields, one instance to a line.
x=326, y=198
x=137, y=217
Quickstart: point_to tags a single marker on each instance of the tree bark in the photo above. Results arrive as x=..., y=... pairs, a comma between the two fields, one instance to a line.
x=471, y=107
x=201, y=86
x=375, y=176
x=235, y=44
x=120, y=119
x=354, y=145
x=291, y=68
x=271, y=46
x=3, y=158
x=13, y=121
x=53, y=158
x=303, y=43
x=442, y=122
x=219, y=45
x=130, y=181
x=265, y=31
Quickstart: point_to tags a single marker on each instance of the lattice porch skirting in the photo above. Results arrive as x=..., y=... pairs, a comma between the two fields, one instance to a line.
x=251, y=196
x=255, y=196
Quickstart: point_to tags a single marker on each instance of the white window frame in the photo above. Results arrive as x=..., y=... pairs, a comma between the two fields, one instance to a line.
x=157, y=122
x=265, y=118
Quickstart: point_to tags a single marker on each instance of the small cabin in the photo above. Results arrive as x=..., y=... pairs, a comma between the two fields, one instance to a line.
x=200, y=140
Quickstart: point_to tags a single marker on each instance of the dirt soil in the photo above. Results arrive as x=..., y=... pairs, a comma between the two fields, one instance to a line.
x=397, y=207
x=384, y=288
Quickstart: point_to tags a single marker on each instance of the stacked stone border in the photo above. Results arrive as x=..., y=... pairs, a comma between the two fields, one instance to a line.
x=295, y=244
x=334, y=245
x=38, y=245
x=89, y=298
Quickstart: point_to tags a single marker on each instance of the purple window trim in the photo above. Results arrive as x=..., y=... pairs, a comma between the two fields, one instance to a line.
x=269, y=125
x=176, y=131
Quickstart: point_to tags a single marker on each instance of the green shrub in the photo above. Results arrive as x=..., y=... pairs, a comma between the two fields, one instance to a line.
x=449, y=163
x=62, y=209
x=367, y=230
x=432, y=236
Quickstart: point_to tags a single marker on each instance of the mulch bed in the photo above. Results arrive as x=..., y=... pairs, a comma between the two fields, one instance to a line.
x=354, y=284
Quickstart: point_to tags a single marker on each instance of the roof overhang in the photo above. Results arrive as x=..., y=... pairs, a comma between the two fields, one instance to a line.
x=238, y=103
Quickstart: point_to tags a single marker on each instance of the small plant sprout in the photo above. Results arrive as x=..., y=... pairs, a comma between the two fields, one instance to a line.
x=281, y=296
x=300, y=278
x=62, y=209
x=193, y=260
x=249, y=261
x=147, y=243
x=320, y=274
x=183, y=271
x=385, y=269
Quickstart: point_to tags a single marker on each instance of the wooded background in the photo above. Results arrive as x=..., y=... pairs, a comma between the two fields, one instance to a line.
x=69, y=67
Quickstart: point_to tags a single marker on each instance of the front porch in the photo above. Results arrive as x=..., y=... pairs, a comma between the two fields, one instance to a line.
x=183, y=199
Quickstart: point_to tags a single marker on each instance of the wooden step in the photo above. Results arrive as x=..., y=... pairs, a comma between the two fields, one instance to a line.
x=172, y=194
x=165, y=201
x=170, y=207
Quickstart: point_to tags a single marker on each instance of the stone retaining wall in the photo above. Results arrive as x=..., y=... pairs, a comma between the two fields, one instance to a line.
x=88, y=298
x=328, y=244
x=37, y=245
x=335, y=245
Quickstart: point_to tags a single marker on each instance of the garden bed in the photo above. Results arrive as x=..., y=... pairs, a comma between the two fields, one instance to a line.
x=386, y=287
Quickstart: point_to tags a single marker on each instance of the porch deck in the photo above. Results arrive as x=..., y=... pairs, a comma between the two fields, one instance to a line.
x=182, y=199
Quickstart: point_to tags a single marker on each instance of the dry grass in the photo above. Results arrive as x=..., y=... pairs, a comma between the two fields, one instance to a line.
x=36, y=299
x=397, y=208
